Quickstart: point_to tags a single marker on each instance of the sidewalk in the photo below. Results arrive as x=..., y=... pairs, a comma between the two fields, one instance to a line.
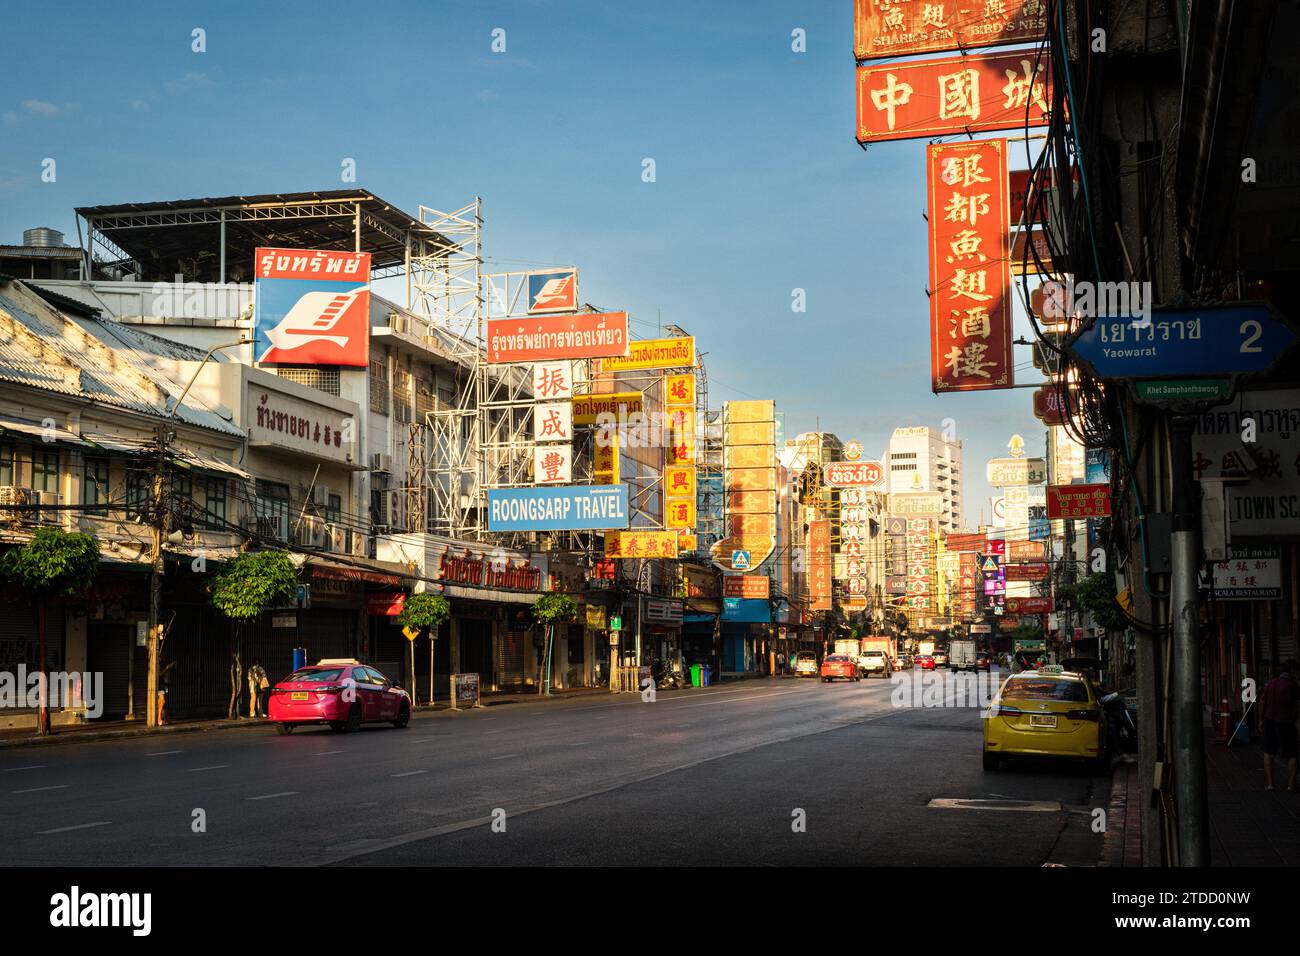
x=1249, y=826
x=1121, y=844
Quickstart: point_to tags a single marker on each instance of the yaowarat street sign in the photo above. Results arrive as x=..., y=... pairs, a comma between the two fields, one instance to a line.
x=543, y=338
x=970, y=283
x=1078, y=501
x=852, y=474
x=922, y=99
x=903, y=29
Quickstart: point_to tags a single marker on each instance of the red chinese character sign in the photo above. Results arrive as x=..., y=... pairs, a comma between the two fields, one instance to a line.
x=970, y=283
x=961, y=94
x=888, y=28
x=1078, y=501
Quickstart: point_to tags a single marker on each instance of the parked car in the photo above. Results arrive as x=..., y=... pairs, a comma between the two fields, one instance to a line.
x=875, y=662
x=805, y=664
x=925, y=662
x=839, y=665
x=984, y=662
x=1050, y=712
x=903, y=662
x=940, y=658
x=342, y=693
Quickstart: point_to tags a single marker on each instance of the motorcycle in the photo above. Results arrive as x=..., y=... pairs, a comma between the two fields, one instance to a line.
x=666, y=677
x=1121, y=722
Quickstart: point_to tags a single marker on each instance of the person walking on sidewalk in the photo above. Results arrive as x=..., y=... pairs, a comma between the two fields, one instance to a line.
x=1279, y=709
x=257, y=683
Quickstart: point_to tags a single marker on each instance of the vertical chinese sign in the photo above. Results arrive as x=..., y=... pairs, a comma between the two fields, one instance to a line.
x=920, y=565
x=749, y=485
x=679, y=470
x=819, y=564
x=553, y=423
x=970, y=282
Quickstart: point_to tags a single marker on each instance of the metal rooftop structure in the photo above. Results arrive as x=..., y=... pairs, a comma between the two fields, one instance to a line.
x=213, y=239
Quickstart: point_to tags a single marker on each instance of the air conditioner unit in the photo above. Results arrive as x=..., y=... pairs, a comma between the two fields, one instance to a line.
x=321, y=495
x=273, y=526
x=338, y=539
x=381, y=462
x=13, y=495
x=360, y=545
x=311, y=532
x=52, y=501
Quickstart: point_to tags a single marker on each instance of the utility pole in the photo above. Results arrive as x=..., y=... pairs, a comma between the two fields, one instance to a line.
x=158, y=521
x=1188, y=733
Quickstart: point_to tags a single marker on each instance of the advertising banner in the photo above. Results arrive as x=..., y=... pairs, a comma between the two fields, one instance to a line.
x=1029, y=605
x=553, y=291
x=918, y=503
x=590, y=335
x=641, y=544
x=923, y=99
x=852, y=474
x=1249, y=574
x=749, y=436
x=1078, y=501
x=311, y=307
x=885, y=29
x=553, y=381
x=745, y=586
x=587, y=408
x=676, y=352
x=1003, y=472
x=553, y=464
x=970, y=283
x=819, y=564
x=568, y=508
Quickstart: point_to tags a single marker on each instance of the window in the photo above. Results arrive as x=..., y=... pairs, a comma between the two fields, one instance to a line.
x=376, y=676
x=402, y=396
x=272, y=509
x=45, y=470
x=94, y=488
x=7, y=476
x=379, y=387
x=334, y=509
x=214, y=503
x=138, y=492
x=182, y=499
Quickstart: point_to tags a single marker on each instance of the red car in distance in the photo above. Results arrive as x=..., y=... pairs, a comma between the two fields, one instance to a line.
x=926, y=662
x=342, y=693
x=840, y=665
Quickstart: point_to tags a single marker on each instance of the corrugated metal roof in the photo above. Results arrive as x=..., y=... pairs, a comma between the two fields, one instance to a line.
x=90, y=358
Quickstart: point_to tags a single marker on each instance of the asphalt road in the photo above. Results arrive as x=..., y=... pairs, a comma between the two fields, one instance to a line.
x=751, y=773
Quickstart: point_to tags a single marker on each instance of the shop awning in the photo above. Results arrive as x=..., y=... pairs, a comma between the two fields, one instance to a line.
x=328, y=570
x=37, y=430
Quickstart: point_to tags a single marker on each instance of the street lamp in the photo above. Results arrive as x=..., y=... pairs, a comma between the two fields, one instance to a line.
x=162, y=438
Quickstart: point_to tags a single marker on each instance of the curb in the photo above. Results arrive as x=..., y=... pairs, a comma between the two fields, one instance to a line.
x=86, y=736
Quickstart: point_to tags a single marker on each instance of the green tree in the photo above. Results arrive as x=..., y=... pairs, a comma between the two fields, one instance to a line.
x=1096, y=595
x=53, y=564
x=250, y=585
x=420, y=611
x=552, y=609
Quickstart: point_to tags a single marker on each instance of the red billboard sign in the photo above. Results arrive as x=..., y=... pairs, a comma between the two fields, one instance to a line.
x=964, y=542
x=1032, y=571
x=885, y=29
x=852, y=474
x=1078, y=501
x=1029, y=605
x=1018, y=551
x=970, y=284
x=745, y=586
x=982, y=92
x=541, y=338
x=1048, y=407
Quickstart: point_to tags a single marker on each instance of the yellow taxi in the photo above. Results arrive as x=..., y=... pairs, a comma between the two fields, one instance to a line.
x=1049, y=712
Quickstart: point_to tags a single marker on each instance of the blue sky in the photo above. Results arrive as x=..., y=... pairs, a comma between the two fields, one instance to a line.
x=760, y=188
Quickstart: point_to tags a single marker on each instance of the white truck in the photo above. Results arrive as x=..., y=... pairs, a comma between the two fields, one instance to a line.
x=877, y=656
x=961, y=655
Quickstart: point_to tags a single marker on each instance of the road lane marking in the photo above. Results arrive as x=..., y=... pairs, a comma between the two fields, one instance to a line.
x=487, y=732
x=272, y=796
x=581, y=743
x=1021, y=806
x=39, y=766
x=410, y=773
x=326, y=753
x=505, y=756
x=372, y=845
x=79, y=826
x=164, y=753
x=218, y=766
x=62, y=786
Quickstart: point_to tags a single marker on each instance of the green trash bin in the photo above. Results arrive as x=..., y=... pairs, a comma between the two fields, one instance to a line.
x=695, y=675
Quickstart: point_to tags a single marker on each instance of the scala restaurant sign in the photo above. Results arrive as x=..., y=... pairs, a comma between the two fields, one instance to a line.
x=537, y=339
x=481, y=570
x=281, y=420
x=1249, y=574
x=922, y=99
x=852, y=474
x=889, y=28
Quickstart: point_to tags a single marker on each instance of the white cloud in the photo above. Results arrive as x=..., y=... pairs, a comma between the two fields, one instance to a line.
x=40, y=107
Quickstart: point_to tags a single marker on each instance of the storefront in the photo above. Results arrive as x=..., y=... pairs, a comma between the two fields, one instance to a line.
x=744, y=626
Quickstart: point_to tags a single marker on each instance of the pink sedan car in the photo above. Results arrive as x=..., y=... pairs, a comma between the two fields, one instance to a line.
x=343, y=694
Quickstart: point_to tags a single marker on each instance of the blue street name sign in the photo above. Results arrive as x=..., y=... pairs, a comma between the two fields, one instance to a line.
x=1218, y=340
x=558, y=508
